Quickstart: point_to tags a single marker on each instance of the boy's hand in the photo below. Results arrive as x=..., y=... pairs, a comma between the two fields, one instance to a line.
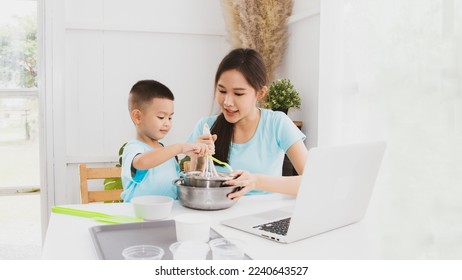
x=209, y=140
x=195, y=149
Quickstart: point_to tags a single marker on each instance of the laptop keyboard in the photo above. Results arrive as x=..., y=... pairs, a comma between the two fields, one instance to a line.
x=278, y=227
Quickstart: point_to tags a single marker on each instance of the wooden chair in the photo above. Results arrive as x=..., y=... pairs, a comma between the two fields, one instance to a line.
x=87, y=173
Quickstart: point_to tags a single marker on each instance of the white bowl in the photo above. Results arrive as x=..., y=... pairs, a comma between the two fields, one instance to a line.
x=152, y=207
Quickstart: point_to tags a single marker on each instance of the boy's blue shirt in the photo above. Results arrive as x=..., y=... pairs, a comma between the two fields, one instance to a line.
x=154, y=181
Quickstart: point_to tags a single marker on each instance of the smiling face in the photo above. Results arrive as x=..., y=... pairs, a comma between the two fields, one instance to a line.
x=154, y=120
x=237, y=99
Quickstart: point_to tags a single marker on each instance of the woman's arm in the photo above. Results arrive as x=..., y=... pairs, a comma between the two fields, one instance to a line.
x=279, y=184
x=297, y=154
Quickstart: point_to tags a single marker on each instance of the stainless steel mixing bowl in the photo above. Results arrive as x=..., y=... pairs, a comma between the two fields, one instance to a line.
x=205, y=198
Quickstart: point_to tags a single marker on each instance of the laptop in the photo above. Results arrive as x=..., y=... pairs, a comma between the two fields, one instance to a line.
x=335, y=190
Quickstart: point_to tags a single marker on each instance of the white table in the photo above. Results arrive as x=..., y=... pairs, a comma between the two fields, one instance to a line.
x=68, y=236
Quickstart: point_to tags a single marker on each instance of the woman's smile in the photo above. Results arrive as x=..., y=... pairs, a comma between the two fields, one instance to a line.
x=230, y=113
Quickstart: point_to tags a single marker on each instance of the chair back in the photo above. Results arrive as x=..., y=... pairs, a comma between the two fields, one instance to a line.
x=90, y=173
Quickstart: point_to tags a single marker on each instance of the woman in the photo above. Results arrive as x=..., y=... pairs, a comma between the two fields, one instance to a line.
x=248, y=137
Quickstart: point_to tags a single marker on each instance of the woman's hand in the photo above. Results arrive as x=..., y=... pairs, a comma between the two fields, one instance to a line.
x=243, y=179
x=209, y=140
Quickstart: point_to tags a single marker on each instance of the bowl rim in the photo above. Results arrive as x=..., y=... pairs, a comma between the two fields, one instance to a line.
x=195, y=175
x=180, y=185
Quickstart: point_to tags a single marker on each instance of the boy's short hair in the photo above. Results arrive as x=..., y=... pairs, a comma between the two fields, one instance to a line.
x=144, y=91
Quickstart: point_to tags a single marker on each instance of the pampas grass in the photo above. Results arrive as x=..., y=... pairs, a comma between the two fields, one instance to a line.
x=261, y=25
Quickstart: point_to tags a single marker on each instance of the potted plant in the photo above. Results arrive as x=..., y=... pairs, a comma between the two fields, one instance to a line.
x=282, y=96
x=115, y=183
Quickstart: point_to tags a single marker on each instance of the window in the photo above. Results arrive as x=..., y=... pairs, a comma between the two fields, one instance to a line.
x=20, y=233
x=19, y=167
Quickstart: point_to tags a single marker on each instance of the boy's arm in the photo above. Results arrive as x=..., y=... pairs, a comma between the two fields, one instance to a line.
x=156, y=157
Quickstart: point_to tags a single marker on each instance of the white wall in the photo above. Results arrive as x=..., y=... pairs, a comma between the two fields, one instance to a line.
x=330, y=72
x=301, y=65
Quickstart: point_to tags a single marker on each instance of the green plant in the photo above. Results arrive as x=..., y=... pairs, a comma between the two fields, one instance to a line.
x=282, y=95
x=115, y=183
x=186, y=158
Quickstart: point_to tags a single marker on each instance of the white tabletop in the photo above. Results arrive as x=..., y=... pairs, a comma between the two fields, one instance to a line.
x=68, y=237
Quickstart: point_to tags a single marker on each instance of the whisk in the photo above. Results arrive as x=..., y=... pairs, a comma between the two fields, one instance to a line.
x=209, y=170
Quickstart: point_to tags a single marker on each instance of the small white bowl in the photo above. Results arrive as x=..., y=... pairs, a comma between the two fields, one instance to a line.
x=152, y=207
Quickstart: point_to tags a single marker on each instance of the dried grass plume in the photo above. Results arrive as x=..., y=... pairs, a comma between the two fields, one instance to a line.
x=261, y=25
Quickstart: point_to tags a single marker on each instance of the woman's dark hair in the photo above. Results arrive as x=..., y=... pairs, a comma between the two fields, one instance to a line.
x=251, y=65
x=144, y=91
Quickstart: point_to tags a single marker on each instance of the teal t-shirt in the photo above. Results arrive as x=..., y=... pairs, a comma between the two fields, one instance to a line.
x=264, y=152
x=154, y=181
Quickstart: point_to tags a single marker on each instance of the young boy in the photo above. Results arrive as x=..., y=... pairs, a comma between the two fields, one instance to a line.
x=149, y=168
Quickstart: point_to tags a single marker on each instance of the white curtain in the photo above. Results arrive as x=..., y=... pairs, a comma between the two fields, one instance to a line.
x=400, y=79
